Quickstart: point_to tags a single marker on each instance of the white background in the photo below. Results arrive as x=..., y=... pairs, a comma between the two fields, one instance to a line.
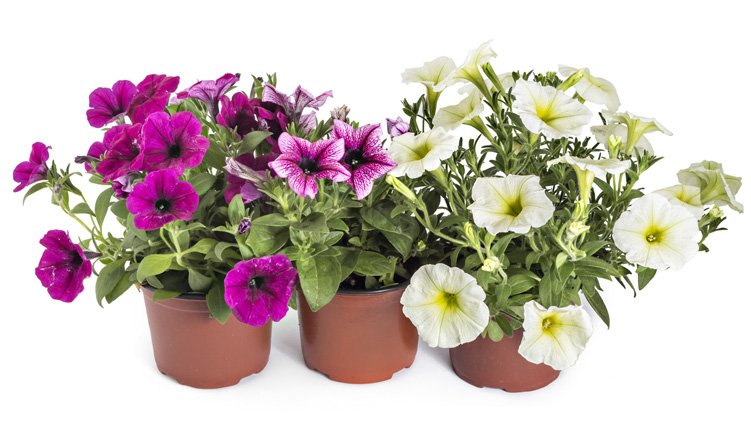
x=678, y=350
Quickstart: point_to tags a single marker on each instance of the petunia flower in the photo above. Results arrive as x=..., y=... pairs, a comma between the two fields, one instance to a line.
x=281, y=109
x=160, y=199
x=593, y=89
x=451, y=117
x=510, y=204
x=470, y=69
x=123, y=186
x=122, y=154
x=245, y=176
x=396, y=127
x=63, y=266
x=636, y=126
x=415, y=154
x=209, y=92
x=716, y=186
x=657, y=234
x=587, y=169
x=554, y=336
x=363, y=155
x=259, y=289
x=94, y=155
x=172, y=142
x=302, y=162
x=152, y=96
x=603, y=133
x=108, y=105
x=548, y=111
x=689, y=197
x=29, y=172
x=436, y=75
x=238, y=113
x=446, y=305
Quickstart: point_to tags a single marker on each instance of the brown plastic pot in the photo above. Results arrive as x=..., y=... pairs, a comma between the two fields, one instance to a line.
x=487, y=363
x=197, y=350
x=359, y=337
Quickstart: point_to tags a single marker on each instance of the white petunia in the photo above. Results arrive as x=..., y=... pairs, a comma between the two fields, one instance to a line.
x=436, y=74
x=452, y=117
x=636, y=127
x=716, y=187
x=689, y=197
x=546, y=110
x=470, y=69
x=598, y=167
x=593, y=89
x=510, y=204
x=446, y=305
x=416, y=154
x=554, y=336
x=657, y=234
x=602, y=135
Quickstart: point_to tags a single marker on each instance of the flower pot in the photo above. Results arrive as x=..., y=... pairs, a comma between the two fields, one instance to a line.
x=360, y=337
x=197, y=350
x=487, y=363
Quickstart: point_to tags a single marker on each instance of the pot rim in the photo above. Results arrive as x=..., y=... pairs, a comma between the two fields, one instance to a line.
x=401, y=286
x=185, y=296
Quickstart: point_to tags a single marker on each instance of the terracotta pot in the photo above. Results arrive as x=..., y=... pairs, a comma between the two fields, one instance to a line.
x=197, y=350
x=486, y=363
x=360, y=337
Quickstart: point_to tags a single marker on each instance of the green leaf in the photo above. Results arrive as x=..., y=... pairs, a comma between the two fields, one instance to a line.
x=337, y=224
x=251, y=141
x=402, y=243
x=32, y=190
x=505, y=326
x=502, y=292
x=236, y=209
x=314, y=223
x=265, y=240
x=332, y=238
x=153, y=265
x=82, y=208
x=494, y=330
x=590, y=248
x=379, y=216
x=108, y=278
x=102, y=205
x=598, y=305
x=203, y=246
x=214, y=156
x=120, y=209
x=646, y=275
x=218, y=307
x=121, y=287
x=160, y=294
x=275, y=220
x=198, y=282
x=319, y=279
x=546, y=291
x=500, y=246
x=594, y=263
x=202, y=182
x=373, y=263
x=348, y=258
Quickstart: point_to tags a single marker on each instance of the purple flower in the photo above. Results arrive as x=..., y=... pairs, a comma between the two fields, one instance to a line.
x=396, y=127
x=238, y=113
x=153, y=94
x=123, y=186
x=244, y=176
x=122, y=143
x=63, y=266
x=210, y=91
x=172, y=142
x=244, y=225
x=363, y=155
x=96, y=150
x=278, y=109
x=29, y=172
x=108, y=105
x=260, y=289
x=302, y=162
x=161, y=198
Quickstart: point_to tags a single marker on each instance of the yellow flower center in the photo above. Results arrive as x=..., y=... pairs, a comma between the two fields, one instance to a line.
x=653, y=235
x=515, y=206
x=548, y=323
x=448, y=300
x=419, y=151
x=545, y=111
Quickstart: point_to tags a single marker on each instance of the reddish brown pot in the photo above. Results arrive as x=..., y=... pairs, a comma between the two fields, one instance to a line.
x=486, y=363
x=197, y=350
x=359, y=337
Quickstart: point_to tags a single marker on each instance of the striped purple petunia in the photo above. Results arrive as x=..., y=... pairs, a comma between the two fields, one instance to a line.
x=63, y=266
x=210, y=91
x=160, y=199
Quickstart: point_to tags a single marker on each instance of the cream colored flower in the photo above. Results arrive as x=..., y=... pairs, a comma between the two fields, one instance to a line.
x=446, y=305
x=602, y=135
x=716, y=186
x=548, y=111
x=415, y=154
x=587, y=169
x=554, y=336
x=636, y=127
x=657, y=234
x=593, y=89
x=452, y=117
x=470, y=69
x=510, y=204
x=436, y=74
x=689, y=197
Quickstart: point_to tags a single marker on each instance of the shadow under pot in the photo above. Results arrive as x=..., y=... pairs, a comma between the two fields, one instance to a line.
x=498, y=364
x=197, y=350
x=360, y=337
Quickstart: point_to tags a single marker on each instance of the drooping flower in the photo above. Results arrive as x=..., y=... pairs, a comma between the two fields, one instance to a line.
x=593, y=89
x=554, y=336
x=123, y=186
x=259, y=289
x=152, y=96
x=210, y=91
x=302, y=162
x=603, y=133
x=396, y=127
x=123, y=150
x=446, y=305
x=94, y=155
x=451, y=117
x=172, y=142
x=636, y=126
x=161, y=198
x=29, y=172
x=689, y=197
x=548, y=111
x=716, y=186
x=656, y=234
x=470, y=69
x=63, y=266
x=510, y=204
x=416, y=154
x=239, y=113
x=436, y=75
x=245, y=175
x=108, y=105
x=364, y=157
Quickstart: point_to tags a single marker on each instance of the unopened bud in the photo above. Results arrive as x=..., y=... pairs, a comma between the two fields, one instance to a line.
x=401, y=187
x=491, y=264
x=340, y=113
x=614, y=144
x=571, y=80
x=577, y=228
x=716, y=212
x=243, y=226
x=421, y=246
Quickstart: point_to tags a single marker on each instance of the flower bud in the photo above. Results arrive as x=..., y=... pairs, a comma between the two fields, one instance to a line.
x=340, y=113
x=396, y=127
x=576, y=228
x=614, y=144
x=401, y=187
x=571, y=80
x=243, y=226
x=421, y=246
x=491, y=264
x=716, y=212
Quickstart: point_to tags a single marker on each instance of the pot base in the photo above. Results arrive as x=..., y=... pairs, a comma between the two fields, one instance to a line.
x=360, y=378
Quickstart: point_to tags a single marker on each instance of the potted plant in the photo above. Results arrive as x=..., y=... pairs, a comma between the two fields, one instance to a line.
x=539, y=212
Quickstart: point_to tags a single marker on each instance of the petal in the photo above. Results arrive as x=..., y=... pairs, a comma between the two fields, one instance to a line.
x=303, y=185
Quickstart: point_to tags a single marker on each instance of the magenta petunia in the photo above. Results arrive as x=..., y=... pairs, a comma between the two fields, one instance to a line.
x=160, y=199
x=152, y=96
x=210, y=91
x=302, y=162
x=108, y=105
x=63, y=266
x=96, y=150
x=172, y=142
x=29, y=172
x=363, y=155
x=245, y=178
x=396, y=127
x=239, y=113
x=123, y=186
x=123, y=149
x=260, y=288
